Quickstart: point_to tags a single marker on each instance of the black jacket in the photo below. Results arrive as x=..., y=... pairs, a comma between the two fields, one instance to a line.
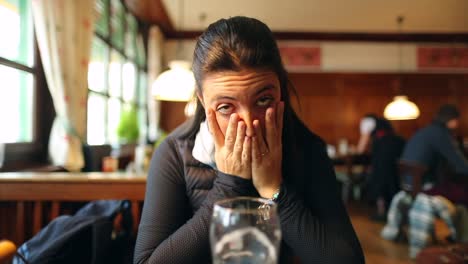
x=181, y=191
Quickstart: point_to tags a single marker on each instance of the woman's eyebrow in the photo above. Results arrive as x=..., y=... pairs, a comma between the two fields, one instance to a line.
x=221, y=97
x=265, y=88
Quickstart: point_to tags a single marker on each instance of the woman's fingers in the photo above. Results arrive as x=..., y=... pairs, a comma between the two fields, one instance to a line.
x=214, y=128
x=279, y=118
x=240, y=138
x=262, y=148
x=247, y=150
x=256, y=154
x=230, y=137
x=270, y=127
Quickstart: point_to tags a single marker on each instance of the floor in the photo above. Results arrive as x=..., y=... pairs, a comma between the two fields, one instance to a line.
x=376, y=249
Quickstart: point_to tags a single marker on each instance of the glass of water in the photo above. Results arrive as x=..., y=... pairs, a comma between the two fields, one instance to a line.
x=245, y=230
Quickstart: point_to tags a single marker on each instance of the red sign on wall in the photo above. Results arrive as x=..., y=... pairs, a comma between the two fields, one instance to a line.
x=300, y=57
x=442, y=57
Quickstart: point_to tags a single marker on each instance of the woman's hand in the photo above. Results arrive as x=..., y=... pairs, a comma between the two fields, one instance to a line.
x=232, y=153
x=267, y=153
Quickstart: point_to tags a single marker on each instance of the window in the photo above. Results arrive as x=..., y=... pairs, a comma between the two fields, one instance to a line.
x=17, y=72
x=117, y=73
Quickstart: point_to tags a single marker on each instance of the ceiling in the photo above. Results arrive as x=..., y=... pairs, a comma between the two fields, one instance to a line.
x=371, y=16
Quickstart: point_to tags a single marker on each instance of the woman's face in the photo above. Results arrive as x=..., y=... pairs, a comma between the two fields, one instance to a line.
x=248, y=93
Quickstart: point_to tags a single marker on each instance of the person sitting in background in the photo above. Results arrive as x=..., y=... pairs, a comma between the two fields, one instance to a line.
x=435, y=147
x=244, y=140
x=382, y=183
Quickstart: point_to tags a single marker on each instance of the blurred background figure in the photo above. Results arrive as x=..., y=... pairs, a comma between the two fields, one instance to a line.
x=379, y=139
x=435, y=147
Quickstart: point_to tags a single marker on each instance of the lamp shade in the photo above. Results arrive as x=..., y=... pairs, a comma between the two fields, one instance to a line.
x=175, y=84
x=401, y=109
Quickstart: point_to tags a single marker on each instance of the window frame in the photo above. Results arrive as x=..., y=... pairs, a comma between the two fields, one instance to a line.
x=23, y=155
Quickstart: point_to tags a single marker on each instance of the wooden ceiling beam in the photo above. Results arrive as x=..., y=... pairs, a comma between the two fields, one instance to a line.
x=152, y=12
x=461, y=37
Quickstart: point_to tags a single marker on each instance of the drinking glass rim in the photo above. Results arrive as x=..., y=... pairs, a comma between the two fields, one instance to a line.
x=218, y=204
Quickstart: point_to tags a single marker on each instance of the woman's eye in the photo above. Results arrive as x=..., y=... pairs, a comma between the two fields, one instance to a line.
x=264, y=101
x=224, y=109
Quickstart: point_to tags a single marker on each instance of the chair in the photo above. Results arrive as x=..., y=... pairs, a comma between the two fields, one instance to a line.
x=93, y=156
x=411, y=175
x=353, y=169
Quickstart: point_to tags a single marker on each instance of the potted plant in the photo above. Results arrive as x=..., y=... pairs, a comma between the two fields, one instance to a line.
x=128, y=130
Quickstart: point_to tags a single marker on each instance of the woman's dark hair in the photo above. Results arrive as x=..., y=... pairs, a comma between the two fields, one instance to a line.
x=381, y=124
x=446, y=113
x=234, y=44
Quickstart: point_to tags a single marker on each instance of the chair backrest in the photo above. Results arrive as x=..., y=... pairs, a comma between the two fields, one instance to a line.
x=411, y=175
x=93, y=156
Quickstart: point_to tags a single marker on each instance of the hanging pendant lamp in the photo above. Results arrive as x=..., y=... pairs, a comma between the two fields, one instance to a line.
x=177, y=83
x=401, y=108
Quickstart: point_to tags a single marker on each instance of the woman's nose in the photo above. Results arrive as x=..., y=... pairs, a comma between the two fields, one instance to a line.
x=248, y=117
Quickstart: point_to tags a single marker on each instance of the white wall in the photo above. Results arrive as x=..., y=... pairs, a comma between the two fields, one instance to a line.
x=337, y=56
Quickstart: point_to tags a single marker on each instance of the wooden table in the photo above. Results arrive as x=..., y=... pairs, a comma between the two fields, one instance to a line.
x=56, y=187
x=347, y=169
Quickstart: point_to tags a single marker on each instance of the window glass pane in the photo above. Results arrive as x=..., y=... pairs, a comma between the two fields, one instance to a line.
x=102, y=10
x=113, y=115
x=142, y=89
x=97, y=71
x=16, y=105
x=117, y=23
x=129, y=81
x=130, y=37
x=141, y=56
x=115, y=74
x=142, y=121
x=16, y=29
x=96, y=119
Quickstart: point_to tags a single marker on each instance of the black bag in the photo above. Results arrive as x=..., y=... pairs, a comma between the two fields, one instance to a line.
x=88, y=236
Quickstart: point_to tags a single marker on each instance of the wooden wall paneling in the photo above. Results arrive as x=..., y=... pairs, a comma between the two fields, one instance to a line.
x=350, y=96
x=172, y=115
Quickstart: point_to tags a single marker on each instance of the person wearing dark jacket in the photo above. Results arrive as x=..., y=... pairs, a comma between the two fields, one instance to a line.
x=435, y=146
x=244, y=140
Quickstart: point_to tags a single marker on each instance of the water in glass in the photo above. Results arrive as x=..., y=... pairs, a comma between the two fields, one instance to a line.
x=245, y=230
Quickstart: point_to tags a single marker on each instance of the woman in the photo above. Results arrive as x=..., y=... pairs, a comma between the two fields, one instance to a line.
x=245, y=140
x=383, y=180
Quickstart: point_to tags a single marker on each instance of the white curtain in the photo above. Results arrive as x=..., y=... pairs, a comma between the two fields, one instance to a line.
x=64, y=30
